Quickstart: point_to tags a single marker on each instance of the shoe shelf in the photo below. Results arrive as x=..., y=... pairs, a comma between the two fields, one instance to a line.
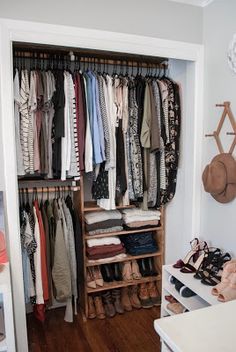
x=83, y=206
x=118, y=284
x=127, y=258
x=121, y=233
x=201, y=290
x=92, y=206
x=191, y=303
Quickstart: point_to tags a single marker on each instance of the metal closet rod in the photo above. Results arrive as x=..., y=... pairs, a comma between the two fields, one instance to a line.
x=49, y=189
x=92, y=58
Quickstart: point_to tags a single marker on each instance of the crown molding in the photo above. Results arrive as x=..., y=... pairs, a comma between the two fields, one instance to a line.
x=200, y=3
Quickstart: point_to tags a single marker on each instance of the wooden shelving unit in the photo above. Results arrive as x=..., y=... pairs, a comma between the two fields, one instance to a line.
x=159, y=256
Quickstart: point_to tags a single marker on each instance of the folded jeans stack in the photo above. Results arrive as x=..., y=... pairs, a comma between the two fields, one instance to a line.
x=140, y=243
x=106, y=247
x=103, y=221
x=135, y=218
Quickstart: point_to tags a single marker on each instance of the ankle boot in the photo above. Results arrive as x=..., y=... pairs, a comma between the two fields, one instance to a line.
x=150, y=267
x=90, y=279
x=125, y=301
x=97, y=276
x=116, y=295
x=135, y=270
x=144, y=296
x=133, y=296
x=106, y=273
x=108, y=305
x=142, y=267
x=153, y=293
x=117, y=272
x=127, y=272
x=99, y=307
x=91, y=308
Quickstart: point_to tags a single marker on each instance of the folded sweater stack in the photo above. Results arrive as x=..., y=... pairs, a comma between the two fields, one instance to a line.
x=103, y=221
x=140, y=243
x=107, y=247
x=135, y=218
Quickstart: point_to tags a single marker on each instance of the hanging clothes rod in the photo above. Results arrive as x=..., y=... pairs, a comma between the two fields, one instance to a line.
x=49, y=189
x=89, y=56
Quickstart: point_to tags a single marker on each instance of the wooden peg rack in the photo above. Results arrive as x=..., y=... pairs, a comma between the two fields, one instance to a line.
x=216, y=134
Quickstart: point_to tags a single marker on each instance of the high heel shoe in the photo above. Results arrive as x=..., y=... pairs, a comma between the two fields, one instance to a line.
x=127, y=272
x=192, y=254
x=117, y=272
x=212, y=255
x=135, y=270
x=192, y=268
x=143, y=268
x=213, y=277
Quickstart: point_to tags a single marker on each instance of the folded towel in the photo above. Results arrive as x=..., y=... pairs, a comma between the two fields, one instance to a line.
x=147, y=223
x=103, y=241
x=134, y=218
x=98, y=216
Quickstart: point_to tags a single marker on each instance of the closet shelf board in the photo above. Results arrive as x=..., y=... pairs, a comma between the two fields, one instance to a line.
x=3, y=345
x=120, y=233
x=191, y=303
x=91, y=206
x=188, y=280
x=117, y=284
x=127, y=258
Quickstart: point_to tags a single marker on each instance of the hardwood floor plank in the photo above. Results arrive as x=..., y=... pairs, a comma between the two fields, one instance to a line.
x=129, y=332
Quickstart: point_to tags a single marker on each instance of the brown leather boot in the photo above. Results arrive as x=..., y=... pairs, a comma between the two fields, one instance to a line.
x=108, y=305
x=91, y=308
x=116, y=295
x=153, y=293
x=144, y=296
x=133, y=296
x=125, y=301
x=99, y=307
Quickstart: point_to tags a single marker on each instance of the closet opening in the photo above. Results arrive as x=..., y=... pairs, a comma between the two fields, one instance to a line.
x=77, y=188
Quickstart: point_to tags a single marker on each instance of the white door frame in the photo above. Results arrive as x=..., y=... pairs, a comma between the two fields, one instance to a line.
x=21, y=31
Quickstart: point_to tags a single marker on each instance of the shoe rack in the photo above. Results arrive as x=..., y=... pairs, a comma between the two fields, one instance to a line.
x=158, y=257
x=202, y=299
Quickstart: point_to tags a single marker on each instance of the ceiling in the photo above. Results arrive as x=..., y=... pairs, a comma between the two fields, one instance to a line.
x=201, y=3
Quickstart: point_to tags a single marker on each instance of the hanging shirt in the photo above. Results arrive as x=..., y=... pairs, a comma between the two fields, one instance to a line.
x=19, y=154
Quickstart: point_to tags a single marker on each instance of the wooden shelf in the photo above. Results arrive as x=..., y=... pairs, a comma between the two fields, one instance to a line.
x=121, y=233
x=127, y=258
x=118, y=284
x=92, y=206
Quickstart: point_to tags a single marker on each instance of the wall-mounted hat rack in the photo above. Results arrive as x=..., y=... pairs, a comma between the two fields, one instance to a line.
x=216, y=134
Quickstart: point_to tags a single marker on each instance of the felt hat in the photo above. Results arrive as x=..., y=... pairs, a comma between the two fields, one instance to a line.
x=219, y=178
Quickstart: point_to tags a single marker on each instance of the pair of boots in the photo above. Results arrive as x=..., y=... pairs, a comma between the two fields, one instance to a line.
x=226, y=289
x=95, y=308
x=112, y=303
x=129, y=298
x=94, y=277
x=111, y=272
x=148, y=295
x=147, y=267
x=131, y=271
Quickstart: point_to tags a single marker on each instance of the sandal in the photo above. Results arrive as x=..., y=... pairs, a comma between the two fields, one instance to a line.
x=192, y=254
x=205, y=267
x=229, y=268
x=192, y=268
x=213, y=277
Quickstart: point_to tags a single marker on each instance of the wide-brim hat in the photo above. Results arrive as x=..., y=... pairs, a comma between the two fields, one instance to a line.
x=219, y=178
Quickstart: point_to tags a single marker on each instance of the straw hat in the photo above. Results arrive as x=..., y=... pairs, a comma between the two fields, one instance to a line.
x=219, y=178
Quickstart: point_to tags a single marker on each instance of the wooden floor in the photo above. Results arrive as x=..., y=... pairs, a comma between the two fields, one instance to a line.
x=130, y=332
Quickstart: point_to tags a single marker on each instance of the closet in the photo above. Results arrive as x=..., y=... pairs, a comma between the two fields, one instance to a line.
x=78, y=178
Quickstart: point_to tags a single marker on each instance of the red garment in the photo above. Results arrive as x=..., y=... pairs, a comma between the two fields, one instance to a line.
x=43, y=253
x=80, y=118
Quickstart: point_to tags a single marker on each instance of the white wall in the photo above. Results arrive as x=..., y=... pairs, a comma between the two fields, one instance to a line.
x=156, y=18
x=218, y=223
